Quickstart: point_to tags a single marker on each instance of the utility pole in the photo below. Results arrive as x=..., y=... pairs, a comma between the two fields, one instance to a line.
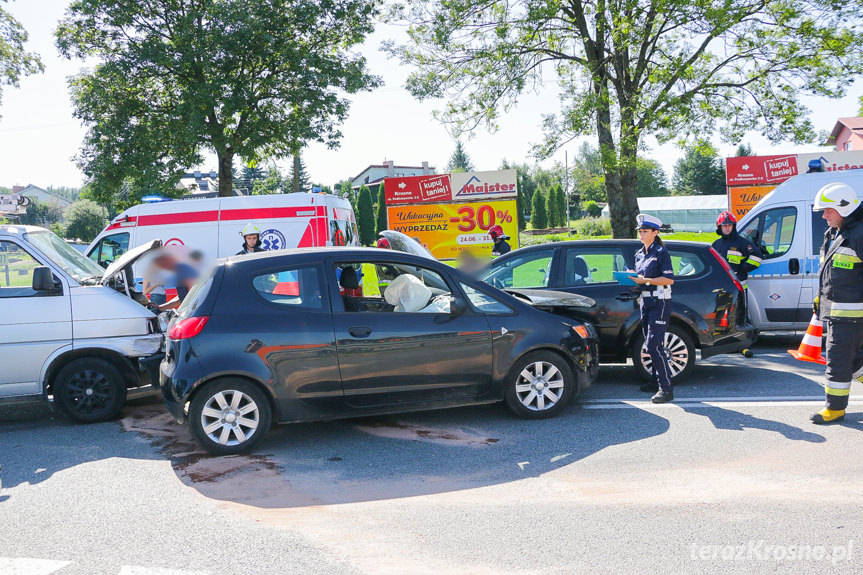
x=566, y=188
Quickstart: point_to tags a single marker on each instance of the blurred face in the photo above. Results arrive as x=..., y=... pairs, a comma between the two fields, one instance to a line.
x=647, y=235
x=726, y=229
x=251, y=240
x=834, y=220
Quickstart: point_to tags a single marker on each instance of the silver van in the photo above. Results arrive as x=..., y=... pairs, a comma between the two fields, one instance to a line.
x=790, y=234
x=70, y=330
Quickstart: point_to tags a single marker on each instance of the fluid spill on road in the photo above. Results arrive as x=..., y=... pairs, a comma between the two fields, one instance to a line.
x=441, y=435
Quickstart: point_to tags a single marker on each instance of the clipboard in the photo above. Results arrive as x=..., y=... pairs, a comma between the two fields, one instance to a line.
x=625, y=278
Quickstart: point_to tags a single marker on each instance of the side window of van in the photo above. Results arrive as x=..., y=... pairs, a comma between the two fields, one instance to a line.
x=772, y=231
x=16, y=271
x=110, y=248
x=819, y=227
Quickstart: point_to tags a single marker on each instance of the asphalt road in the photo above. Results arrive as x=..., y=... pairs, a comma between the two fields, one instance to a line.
x=731, y=478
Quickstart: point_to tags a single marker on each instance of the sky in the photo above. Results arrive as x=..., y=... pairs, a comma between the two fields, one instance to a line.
x=39, y=136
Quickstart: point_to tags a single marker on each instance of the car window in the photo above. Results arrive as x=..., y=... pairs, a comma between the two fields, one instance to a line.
x=819, y=228
x=295, y=286
x=16, y=271
x=483, y=302
x=380, y=286
x=110, y=248
x=592, y=265
x=772, y=231
x=527, y=270
x=686, y=264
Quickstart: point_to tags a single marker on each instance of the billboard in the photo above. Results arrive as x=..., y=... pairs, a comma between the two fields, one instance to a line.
x=447, y=229
x=417, y=189
x=468, y=186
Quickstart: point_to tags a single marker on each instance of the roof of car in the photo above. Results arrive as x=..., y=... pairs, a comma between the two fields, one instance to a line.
x=316, y=253
x=566, y=243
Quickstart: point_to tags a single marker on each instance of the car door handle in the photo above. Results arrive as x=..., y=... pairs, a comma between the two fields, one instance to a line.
x=794, y=266
x=360, y=331
x=625, y=297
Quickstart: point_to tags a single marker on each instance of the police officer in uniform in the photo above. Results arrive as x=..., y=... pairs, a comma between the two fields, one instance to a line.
x=839, y=303
x=742, y=255
x=655, y=276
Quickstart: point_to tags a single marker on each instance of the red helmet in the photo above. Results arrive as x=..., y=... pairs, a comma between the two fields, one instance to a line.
x=726, y=218
x=383, y=243
x=495, y=232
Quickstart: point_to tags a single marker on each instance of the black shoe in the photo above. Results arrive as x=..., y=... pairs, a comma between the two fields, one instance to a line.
x=649, y=388
x=747, y=352
x=662, y=396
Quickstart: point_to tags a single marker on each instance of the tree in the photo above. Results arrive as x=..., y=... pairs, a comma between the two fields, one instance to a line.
x=15, y=61
x=366, y=217
x=744, y=150
x=298, y=176
x=348, y=192
x=592, y=208
x=556, y=207
x=538, y=213
x=652, y=179
x=699, y=171
x=251, y=173
x=85, y=219
x=459, y=161
x=273, y=183
x=381, y=213
x=177, y=79
x=41, y=214
x=631, y=69
x=525, y=183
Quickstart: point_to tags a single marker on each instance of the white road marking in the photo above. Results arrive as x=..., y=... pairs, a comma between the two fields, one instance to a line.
x=696, y=402
x=26, y=566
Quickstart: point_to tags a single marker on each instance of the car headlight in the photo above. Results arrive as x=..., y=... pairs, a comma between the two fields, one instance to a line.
x=163, y=321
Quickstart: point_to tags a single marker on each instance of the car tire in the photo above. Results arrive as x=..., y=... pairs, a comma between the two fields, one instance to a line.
x=680, y=349
x=229, y=416
x=556, y=381
x=89, y=390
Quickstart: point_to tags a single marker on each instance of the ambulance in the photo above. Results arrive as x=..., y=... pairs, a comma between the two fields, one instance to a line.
x=213, y=225
x=790, y=234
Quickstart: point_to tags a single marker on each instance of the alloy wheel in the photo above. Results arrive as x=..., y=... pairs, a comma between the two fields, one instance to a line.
x=230, y=417
x=678, y=354
x=539, y=386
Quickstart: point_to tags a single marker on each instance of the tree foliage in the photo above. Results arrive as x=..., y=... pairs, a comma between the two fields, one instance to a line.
x=41, y=214
x=299, y=176
x=556, y=207
x=699, y=172
x=628, y=69
x=459, y=161
x=538, y=212
x=85, y=219
x=15, y=60
x=251, y=173
x=177, y=79
x=380, y=212
x=366, y=217
x=273, y=182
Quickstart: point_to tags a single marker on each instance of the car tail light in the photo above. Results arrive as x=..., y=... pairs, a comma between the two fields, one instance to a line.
x=727, y=269
x=187, y=328
x=581, y=330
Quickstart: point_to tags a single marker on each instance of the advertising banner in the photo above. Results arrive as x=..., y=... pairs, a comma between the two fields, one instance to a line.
x=447, y=229
x=742, y=199
x=760, y=170
x=417, y=189
x=468, y=186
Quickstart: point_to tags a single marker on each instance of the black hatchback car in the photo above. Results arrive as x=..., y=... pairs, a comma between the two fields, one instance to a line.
x=314, y=334
x=706, y=298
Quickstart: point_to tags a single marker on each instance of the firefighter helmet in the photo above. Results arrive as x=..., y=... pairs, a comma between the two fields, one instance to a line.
x=496, y=232
x=841, y=197
x=250, y=230
x=725, y=218
x=383, y=243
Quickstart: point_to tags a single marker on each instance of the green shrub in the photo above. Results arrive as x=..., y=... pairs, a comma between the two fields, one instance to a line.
x=593, y=226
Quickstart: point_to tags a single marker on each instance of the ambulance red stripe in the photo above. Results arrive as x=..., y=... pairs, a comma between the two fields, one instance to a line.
x=226, y=216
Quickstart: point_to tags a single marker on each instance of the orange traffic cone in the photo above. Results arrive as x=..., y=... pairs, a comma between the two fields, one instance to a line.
x=810, y=347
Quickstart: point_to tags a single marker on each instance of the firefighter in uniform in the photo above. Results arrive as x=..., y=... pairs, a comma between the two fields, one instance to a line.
x=251, y=240
x=655, y=276
x=839, y=303
x=742, y=255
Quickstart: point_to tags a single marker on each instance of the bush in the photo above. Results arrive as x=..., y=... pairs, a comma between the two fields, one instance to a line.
x=538, y=213
x=84, y=220
x=593, y=226
x=366, y=217
x=592, y=209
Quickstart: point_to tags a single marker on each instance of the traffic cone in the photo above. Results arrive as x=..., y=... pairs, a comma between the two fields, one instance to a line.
x=810, y=347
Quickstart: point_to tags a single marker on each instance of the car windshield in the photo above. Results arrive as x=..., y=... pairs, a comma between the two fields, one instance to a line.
x=70, y=261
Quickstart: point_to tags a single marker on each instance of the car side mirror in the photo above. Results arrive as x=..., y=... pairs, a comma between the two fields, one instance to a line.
x=43, y=279
x=457, y=306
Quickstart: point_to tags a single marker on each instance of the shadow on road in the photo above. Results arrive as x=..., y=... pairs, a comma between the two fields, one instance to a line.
x=735, y=421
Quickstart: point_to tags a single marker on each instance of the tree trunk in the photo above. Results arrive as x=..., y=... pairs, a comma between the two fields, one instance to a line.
x=296, y=173
x=226, y=176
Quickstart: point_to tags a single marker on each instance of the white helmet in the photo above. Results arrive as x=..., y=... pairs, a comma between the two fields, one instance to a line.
x=250, y=230
x=840, y=197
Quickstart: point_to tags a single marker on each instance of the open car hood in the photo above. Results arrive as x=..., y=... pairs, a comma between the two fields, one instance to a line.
x=401, y=242
x=549, y=300
x=129, y=258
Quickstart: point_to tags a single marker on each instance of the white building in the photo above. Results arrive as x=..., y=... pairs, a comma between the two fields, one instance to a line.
x=374, y=174
x=683, y=213
x=42, y=195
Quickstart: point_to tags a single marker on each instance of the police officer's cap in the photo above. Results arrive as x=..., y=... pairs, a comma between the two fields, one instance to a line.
x=646, y=222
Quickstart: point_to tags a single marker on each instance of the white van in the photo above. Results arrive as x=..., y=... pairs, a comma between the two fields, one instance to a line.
x=213, y=225
x=70, y=329
x=781, y=290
